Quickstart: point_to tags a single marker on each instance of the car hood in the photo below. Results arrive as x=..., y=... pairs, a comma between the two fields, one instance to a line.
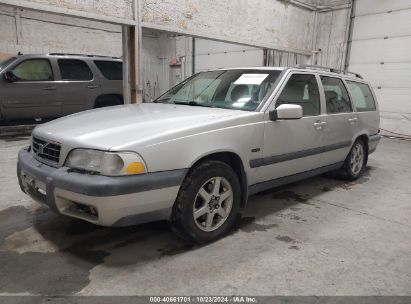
x=124, y=126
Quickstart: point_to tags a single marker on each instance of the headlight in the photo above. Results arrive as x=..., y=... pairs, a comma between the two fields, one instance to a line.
x=106, y=163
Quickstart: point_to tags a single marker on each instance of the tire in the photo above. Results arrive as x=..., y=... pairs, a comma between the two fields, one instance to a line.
x=355, y=161
x=201, y=212
x=107, y=101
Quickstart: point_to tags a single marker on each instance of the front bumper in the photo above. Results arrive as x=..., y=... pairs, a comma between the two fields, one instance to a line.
x=103, y=200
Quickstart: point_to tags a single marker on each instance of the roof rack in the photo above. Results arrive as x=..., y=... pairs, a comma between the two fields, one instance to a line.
x=82, y=55
x=333, y=70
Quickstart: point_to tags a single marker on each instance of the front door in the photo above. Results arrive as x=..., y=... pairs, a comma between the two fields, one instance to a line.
x=33, y=92
x=293, y=146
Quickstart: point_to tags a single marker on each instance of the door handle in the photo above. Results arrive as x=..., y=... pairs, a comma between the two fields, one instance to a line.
x=92, y=86
x=352, y=119
x=319, y=124
x=49, y=88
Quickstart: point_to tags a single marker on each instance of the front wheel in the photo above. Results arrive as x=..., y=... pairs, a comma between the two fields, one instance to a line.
x=355, y=162
x=208, y=202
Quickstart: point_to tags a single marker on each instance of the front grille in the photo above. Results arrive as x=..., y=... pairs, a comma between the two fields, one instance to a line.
x=45, y=150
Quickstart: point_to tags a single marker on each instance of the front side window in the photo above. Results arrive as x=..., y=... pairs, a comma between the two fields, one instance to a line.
x=336, y=95
x=111, y=70
x=75, y=70
x=231, y=89
x=302, y=90
x=361, y=96
x=33, y=70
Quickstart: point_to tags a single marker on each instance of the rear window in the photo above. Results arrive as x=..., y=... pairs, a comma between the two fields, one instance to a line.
x=361, y=96
x=74, y=69
x=112, y=70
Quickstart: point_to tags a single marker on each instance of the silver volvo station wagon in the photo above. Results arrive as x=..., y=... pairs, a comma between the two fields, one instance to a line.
x=195, y=155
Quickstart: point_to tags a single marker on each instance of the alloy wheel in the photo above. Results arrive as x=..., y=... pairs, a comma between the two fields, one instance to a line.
x=213, y=203
x=357, y=158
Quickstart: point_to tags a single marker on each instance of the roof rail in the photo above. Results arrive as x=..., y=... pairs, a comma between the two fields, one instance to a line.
x=333, y=70
x=82, y=55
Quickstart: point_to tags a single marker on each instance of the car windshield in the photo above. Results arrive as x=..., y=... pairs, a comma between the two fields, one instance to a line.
x=242, y=89
x=6, y=62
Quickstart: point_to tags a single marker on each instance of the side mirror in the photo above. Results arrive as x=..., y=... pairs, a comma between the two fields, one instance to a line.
x=286, y=111
x=9, y=76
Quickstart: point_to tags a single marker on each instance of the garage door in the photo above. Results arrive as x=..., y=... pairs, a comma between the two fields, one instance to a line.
x=216, y=55
x=381, y=51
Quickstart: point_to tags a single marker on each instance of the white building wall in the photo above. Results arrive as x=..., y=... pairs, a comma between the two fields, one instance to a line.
x=116, y=12
x=331, y=38
x=157, y=53
x=262, y=23
x=33, y=32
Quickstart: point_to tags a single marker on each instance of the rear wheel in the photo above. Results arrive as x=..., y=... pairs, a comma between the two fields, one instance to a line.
x=355, y=162
x=208, y=202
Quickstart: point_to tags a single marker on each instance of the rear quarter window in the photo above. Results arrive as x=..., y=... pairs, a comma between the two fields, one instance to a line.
x=361, y=96
x=111, y=70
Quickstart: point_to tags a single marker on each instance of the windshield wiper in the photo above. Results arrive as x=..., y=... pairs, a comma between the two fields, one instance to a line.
x=192, y=103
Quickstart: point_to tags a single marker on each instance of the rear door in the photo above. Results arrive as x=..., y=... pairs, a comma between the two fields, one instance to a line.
x=365, y=105
x=112, y=73
x=341, y=120
x=33, y=93
x=79, y=86
x=293, y=146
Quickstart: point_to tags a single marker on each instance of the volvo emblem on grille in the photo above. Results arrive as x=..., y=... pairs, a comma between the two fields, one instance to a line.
x=41, y=147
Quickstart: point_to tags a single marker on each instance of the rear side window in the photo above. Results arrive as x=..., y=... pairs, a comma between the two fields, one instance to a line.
x=74, y=69
x=111, y=70
x=33, y=70
x=361, y=96
x=302, y=90
x=336, y=95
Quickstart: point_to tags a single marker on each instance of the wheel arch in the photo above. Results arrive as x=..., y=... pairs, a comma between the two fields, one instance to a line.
x=364, y=137
x=235, y=162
